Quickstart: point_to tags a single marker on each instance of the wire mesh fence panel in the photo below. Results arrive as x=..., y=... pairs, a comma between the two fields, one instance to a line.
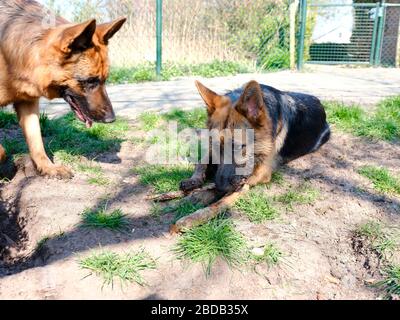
x=390, y=46
x=350, y=32
x=255, y=32
x=341, y=33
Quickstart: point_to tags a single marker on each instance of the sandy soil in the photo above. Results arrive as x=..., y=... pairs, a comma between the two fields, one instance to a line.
x=317, y=240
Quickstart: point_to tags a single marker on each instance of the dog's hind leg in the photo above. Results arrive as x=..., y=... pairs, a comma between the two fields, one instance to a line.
x=3, y=154
x=28, y=115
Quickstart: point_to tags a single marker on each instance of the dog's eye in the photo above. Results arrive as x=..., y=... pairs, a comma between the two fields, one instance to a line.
x=90, y=83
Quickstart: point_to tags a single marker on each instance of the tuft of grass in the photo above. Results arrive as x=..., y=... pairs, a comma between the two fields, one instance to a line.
x=68, y=139
x=301, y=195
x=15, y=146
x=163, y=178
x=382, y=179
x=42, y=242
x=277, y=178
x=383, y=124
x=216, y=239
x=379, y=240
x=149, y=120
x=102, y=219
x=196, y=118
x=343, y=116
x=185, y=208
x=272, y=255
x=391, y=282
x=7, y=119
x=125, y=267
x=257, y=206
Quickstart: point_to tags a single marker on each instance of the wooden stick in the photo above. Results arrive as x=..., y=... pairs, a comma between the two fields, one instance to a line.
x=165, y=197
x=204, y=215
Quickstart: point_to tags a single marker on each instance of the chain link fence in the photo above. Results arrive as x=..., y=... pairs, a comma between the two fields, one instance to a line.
x=353, y=32
x=253, y=32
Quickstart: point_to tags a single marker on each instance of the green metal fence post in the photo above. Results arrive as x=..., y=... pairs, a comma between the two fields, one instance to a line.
x=159, y=37
x=303, y=13
x=374, y=34
x=381, y=30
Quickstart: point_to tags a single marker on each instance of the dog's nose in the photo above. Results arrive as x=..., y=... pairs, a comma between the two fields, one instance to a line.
x=109, y=118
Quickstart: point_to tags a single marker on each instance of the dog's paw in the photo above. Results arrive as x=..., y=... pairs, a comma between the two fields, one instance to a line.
x=55, y=171
x=191, y=184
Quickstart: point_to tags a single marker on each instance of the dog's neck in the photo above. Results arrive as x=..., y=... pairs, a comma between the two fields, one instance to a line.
x=24, y=59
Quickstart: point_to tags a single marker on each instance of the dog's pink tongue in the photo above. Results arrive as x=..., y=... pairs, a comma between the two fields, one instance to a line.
x=89, y=124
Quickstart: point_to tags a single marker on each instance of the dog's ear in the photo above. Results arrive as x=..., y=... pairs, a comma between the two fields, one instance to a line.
x=251, y=104
x=213, y=100
x=106, y=31
x=78, y=38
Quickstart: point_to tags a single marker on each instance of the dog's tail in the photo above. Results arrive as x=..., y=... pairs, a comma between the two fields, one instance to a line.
x=3, y=154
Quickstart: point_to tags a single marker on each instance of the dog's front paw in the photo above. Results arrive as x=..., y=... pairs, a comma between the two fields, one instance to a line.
x=55, y=171
x=191, y=184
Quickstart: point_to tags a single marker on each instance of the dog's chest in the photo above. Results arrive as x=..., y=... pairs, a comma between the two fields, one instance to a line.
x=6, y=95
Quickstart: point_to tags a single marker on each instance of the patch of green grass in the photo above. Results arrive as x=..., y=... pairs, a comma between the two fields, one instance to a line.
x=181, y=209
x=196, y=118
x=217, y=238
x=42, y=242
x=272, y=255
x=102, y=219
x=391, y=282
x=7, y=119
x=185, y=208
x=125, y=267
x=277, y=178
x=67, y=138
x=163, y=178
x=15, y=146
x=257, y=206
x=383, y=124
x=343, y=116
x=95, y=173
x=303, y=194
x=382, y=179
x=379, y=240
x=149, y=120
x=146, y=71
x=99, y=180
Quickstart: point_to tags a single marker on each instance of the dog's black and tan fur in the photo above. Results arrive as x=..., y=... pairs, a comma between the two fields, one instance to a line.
x=66, y=60
x=286, y=125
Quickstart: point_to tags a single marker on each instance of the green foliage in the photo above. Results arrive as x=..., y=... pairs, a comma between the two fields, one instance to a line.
x=7, y=119
x=146, y=71
x=257, y=206
x=163, y=178
x=391, y=282
x=384, y=124
x=125, y=267
x=115, y=220
x=271, y=256
x=217, y=238
x=381, y=178
x=196, y=118
x=377, y=237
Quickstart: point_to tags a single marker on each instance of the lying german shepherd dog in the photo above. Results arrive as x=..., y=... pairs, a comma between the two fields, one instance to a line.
x=285, y=126
x=63, y=60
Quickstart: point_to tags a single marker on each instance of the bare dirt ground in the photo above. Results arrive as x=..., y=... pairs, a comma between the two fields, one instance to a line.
x=320, y=259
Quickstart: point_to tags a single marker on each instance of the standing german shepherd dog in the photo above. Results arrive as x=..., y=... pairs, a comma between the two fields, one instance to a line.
x=286, y=126
x=68, y=61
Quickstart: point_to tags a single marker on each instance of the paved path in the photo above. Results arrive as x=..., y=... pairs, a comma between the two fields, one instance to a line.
x=365, y=86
